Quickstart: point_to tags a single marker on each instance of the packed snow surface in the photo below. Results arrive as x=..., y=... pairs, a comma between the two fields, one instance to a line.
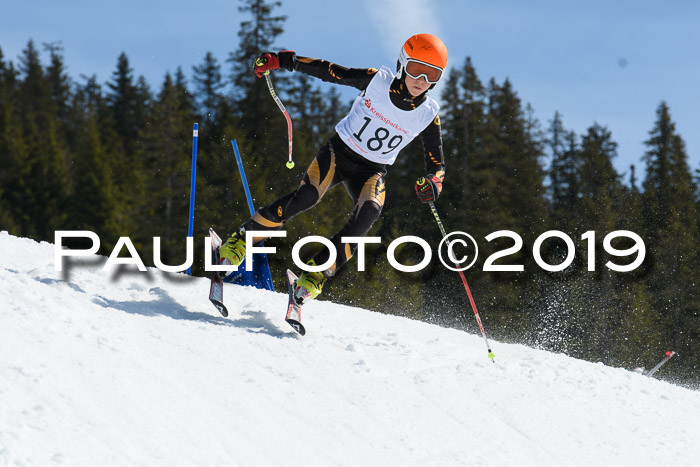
x=105, y=368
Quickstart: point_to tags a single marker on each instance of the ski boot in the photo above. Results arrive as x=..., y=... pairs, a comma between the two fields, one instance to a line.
x=302, y=290
x=309, y=285
x=233, y=251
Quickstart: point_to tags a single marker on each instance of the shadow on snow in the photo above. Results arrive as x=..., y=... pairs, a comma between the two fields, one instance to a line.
x=252, y=320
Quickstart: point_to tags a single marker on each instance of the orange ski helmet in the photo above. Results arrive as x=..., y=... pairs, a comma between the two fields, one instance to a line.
x=422, y=55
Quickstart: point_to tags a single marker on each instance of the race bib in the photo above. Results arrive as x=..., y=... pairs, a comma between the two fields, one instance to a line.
x=378, y=130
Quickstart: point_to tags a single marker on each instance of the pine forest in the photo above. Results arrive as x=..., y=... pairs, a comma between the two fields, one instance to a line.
x=115, y=157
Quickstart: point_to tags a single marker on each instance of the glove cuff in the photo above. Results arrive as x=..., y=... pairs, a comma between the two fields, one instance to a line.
x=436, y=182
x=288, y=60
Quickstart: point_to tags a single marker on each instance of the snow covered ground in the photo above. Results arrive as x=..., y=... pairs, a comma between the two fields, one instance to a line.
x=98, y=369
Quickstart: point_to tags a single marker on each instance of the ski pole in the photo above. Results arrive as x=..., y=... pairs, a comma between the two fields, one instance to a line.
x=290, y=163
x=667, y=357
x=491, y=355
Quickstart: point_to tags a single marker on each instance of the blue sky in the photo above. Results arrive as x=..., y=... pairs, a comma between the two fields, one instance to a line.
x=610, y=62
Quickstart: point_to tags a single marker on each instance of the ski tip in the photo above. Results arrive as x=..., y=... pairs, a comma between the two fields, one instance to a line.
x=298, y=327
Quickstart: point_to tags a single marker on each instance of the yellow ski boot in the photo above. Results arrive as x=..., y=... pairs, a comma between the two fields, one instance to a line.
x=309, y=285
x=233, y=250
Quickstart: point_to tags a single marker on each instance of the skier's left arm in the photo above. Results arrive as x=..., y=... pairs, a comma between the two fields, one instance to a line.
x=429, y=189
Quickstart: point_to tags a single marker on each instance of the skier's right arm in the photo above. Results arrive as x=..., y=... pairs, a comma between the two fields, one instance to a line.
x=327, y=71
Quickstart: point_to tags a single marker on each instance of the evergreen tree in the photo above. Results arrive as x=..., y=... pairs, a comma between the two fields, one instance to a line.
x=94, y=203
x=463, y=119
x=640, y=335
x=166, y=145
x=41, y=186
x=511, y=197
x=258, y=121
x=16, y=166
x=557, y=149
x=123, y=102
x=7, y=142
x=600, y=191
x=672, y=235
x=58, y=79
x=564, y=175
x=257, y=35
x=515, y=160
x=599, y=184
x=208, y=85
x=127, y=104
x=216, y=167
x=257, y=125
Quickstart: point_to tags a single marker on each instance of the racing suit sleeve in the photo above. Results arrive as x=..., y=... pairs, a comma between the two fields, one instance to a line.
x=333, y=73
x=431, y=137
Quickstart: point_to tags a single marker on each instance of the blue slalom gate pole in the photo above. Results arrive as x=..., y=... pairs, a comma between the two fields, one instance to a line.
x=260, y=277
x=251, y=208
x=195, y=135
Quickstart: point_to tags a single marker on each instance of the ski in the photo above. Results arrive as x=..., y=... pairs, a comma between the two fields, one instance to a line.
x=216, y=290
x=293, y=308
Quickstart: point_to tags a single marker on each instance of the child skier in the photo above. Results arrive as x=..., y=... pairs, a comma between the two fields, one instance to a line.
x=387, y=114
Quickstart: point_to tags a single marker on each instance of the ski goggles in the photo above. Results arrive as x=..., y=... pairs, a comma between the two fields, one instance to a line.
x=416, y=70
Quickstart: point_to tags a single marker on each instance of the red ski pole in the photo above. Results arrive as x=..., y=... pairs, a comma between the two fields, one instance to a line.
x=466, y=286
x=667, y=357
x=290, y=162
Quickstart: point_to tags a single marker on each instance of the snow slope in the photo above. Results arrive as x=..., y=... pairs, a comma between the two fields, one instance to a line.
x=99, y=369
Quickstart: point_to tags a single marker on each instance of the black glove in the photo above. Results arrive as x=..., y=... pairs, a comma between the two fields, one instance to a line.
x=428, y=189
x=271, y=61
